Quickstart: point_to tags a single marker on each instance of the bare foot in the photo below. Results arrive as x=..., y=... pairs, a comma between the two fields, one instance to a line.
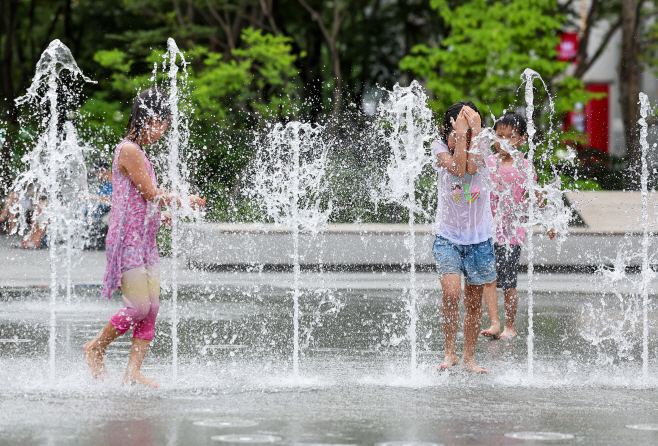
x=508, y=333
x=492, y=332
x=448, y=362
x=140, y=379
x=95, y=362
x=470, y=366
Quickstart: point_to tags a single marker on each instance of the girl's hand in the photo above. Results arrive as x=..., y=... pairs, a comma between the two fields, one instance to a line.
x=197, y=202
x=473, y=118
x=460, y=126
x=166, y=219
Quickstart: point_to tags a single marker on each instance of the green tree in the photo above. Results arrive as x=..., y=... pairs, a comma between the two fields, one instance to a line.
x=26, y=29
x=488, y=46
x=230, y=99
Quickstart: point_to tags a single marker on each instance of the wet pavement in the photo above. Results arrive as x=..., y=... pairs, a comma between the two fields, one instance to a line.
x=235, y=381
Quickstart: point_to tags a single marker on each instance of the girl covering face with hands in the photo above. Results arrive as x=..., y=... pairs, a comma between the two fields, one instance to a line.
x=463, y=243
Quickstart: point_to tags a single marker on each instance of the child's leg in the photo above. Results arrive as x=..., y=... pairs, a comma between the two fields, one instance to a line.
x=472, y=324
x=491, y=302
x=95, y=350
x=144, y=331
x=507, y=278
x=511, y=305
x=136, y=306
x=452, y=287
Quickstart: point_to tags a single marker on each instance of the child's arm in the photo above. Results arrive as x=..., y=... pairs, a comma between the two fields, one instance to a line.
x=475, y=158
x=456, y=163
x=131, y=165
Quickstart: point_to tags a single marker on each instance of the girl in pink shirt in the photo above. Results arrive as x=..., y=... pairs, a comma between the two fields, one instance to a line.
x=509, y=201
x=131, y=249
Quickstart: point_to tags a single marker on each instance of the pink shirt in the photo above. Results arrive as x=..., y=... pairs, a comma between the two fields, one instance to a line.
x=134, y=223
x=509, y=199
x=463, y=212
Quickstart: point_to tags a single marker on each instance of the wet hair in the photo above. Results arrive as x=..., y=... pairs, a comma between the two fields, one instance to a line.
x=453, y=112
x=148, y=104
x=514, y=121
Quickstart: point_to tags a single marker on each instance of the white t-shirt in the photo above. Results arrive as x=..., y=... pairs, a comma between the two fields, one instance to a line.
x=463, y=212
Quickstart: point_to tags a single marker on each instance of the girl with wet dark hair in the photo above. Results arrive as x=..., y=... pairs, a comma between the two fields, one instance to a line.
x=463, y=243
x=151, y=106
x=131, y=248
x=452, y=114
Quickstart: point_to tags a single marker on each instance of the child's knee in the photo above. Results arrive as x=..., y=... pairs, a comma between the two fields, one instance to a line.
x=141, y=311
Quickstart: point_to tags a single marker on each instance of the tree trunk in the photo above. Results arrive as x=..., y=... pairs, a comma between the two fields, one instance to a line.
x=338, y=78
x=332, y=43
x=629, y=88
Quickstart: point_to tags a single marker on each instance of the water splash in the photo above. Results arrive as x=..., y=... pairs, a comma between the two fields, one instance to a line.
x=647, y=273
x=612, y=329
x=406, y=126
x=616, y=333
x=56, y=175
x=175, y=175
x=554, y=214
x=289, y=185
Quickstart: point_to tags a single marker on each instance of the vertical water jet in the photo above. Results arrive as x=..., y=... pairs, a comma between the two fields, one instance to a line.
x=289, y=184
x=646, y=267
x=56, y=171
x=176, y=175
x=406, y=126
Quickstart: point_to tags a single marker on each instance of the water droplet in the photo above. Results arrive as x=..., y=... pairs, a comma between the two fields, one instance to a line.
x=407, y=443
x=546, y=436
x=643, y=427
x=246, y=438
x=226, y=423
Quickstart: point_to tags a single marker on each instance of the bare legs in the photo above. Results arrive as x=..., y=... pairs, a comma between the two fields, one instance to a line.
x=452, y=288
x=491, y=302
x=511, y=306
x=451, y=284
x=141, y=291
x=95, y=353
x=137, y=353
x=95, y=350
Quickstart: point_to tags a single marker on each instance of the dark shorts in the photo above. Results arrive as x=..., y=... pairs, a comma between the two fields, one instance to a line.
x=507, y=265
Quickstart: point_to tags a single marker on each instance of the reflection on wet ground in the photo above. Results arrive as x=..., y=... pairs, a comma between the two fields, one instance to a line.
x=235, y=381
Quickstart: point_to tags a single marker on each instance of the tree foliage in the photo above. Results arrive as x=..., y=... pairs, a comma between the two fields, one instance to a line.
x=489, y=45
x=253, y=61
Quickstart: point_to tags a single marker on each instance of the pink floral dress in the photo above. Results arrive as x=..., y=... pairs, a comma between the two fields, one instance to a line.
x=134, y=223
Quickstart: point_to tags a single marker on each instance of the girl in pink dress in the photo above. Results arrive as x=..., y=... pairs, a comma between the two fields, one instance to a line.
x=131, y=249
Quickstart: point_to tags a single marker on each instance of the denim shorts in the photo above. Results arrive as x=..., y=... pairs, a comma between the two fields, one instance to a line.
x=507, y=265
x=477, y=262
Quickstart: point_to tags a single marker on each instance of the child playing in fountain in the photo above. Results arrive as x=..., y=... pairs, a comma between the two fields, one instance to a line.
x=99, y=205
x=508, y=199
x=463, y=243
x=131, y=249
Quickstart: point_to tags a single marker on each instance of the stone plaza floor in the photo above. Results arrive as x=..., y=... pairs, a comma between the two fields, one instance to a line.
x=234, y=381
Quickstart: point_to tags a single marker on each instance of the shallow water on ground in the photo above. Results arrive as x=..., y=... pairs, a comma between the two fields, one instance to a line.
x=235, y=382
